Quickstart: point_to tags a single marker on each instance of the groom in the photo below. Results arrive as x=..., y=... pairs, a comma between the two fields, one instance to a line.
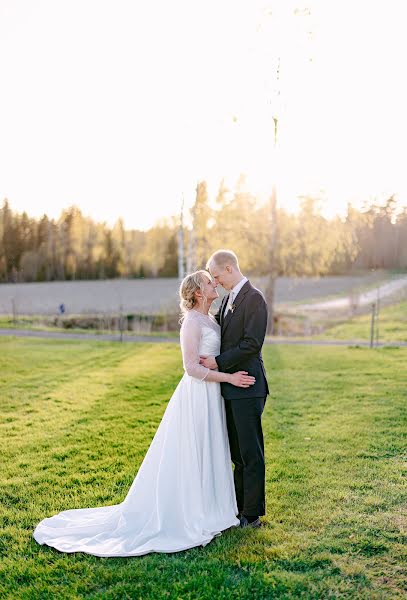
x=243, y=320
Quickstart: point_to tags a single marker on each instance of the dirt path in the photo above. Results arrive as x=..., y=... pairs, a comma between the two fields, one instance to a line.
x=150, y=339
x=363, y=299
x=105, y=337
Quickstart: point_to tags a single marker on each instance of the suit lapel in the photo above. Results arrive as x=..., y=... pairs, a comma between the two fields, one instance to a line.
x=223, y=305
x=238, y=300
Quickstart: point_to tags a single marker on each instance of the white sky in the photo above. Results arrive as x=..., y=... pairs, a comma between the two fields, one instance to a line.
x=121, y=106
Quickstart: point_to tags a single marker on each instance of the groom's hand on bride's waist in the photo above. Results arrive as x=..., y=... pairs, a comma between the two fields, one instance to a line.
x=208, y=361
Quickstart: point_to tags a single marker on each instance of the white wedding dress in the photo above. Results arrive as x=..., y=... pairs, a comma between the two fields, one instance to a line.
x=183, y=495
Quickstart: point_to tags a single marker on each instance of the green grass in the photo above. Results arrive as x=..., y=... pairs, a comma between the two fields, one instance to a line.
x=78, y=417
x=392, y=326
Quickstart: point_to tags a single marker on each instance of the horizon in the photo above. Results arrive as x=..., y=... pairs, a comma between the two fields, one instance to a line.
x=171, y=218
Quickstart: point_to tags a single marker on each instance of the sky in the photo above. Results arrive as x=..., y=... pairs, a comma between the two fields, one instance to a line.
x=121, y=107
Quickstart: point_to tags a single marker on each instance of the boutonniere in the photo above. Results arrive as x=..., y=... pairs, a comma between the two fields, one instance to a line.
x=232, y=307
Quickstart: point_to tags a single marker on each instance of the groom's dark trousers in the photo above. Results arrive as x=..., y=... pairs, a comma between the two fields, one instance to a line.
x=243, y=332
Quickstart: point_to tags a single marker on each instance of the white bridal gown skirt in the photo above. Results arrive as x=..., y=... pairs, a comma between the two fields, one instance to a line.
x=183, y=494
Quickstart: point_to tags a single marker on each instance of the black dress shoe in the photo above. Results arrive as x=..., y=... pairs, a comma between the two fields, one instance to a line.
x=252, y=523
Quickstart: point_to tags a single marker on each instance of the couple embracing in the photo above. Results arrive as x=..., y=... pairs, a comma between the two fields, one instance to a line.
x=185, y=492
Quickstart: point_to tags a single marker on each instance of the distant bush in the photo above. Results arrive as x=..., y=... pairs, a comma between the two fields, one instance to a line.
x=131, y=322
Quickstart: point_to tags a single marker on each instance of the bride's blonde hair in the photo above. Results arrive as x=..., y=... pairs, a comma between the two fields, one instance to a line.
x=191, y=284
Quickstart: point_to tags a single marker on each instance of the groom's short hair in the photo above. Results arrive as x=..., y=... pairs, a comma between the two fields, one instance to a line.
x=222, y=258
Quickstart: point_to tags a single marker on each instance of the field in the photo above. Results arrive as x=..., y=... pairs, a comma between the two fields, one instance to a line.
x=78, y=417
x=155, y=295
x=392, y=326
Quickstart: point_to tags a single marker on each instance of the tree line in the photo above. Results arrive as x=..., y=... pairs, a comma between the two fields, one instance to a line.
x=74, y=246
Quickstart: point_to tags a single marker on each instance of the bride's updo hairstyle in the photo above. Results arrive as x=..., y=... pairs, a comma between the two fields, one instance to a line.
x=189, y=286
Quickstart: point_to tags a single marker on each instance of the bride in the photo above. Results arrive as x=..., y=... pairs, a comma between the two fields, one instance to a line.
x=183, y=495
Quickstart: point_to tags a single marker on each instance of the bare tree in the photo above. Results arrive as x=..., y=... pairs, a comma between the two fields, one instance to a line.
x=276, y=101
x=181, y=267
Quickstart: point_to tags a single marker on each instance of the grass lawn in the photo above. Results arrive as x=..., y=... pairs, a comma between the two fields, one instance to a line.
x=392, y=326
x=77, y=418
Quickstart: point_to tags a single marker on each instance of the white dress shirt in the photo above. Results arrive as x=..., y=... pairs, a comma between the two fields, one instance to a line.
x=234, y=292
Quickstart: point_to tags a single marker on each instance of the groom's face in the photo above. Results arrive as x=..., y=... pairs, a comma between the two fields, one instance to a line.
x=222, y=275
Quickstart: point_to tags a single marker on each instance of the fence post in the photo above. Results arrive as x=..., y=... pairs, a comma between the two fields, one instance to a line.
x=121, y=322
x=14, y=309
x=372, y=323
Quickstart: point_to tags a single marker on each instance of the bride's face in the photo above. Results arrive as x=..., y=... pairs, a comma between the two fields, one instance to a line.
x=209, y=291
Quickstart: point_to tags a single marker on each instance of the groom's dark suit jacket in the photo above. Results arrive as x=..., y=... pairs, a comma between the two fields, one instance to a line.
x=243, y=332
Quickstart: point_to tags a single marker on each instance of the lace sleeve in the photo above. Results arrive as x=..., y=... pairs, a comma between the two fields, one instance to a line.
x=190, y=340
